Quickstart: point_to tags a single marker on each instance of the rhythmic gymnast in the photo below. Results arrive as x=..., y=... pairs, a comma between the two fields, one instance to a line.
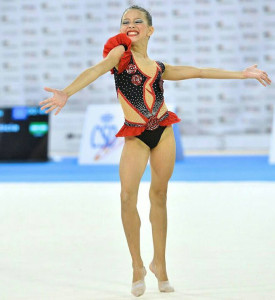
x=147, y=129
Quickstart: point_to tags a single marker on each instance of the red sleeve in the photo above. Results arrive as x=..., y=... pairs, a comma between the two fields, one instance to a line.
x=119, y=39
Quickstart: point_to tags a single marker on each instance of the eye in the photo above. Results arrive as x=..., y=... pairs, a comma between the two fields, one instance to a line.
x=125, y=22
x=139, y=21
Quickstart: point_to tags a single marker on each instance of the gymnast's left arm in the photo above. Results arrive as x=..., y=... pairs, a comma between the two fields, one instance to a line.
x=187, y=72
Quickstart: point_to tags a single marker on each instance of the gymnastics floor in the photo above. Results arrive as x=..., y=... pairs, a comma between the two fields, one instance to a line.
x=62, y=236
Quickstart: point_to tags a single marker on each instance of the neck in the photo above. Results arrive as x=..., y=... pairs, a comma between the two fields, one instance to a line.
x=140, y=49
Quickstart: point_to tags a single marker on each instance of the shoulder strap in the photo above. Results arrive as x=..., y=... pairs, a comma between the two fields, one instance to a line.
x=162, y=66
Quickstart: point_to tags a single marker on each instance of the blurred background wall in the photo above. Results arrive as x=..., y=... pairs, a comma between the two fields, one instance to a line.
x=49, y=43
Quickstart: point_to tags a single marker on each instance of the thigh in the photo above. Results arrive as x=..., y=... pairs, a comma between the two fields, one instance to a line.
x=162, y=159
x=134, y=159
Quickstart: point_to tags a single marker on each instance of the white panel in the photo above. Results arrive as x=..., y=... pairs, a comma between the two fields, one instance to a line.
x=99, y=144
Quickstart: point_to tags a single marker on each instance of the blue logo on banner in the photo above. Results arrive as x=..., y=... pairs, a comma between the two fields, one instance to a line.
x=19, y=113
x=103, y=135
x=34, y=111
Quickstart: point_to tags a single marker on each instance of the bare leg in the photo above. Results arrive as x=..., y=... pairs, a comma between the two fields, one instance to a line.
x=133, y=162
x=162, y=162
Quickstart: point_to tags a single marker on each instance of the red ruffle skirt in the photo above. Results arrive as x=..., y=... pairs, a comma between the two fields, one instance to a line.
x=134, y=131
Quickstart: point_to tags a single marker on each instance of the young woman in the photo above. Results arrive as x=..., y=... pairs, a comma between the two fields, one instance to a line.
x=147, y=129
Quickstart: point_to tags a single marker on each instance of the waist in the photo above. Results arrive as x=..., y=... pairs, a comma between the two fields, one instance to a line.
x=152, y=123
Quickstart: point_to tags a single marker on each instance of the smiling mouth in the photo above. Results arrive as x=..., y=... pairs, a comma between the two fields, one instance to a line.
x=132, y=33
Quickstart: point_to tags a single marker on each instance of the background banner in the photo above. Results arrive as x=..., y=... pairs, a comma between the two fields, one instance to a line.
x=49, y=43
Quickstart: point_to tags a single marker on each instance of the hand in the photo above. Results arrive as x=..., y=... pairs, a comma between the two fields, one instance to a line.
x=58, y=100
x=253, y=72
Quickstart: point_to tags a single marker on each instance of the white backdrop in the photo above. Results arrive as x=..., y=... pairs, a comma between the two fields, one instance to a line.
x=48, y=43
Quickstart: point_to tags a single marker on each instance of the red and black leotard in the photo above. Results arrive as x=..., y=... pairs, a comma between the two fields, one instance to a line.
x=140, y=96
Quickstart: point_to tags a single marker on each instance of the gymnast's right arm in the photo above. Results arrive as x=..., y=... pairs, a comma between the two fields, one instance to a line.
x=60, y=97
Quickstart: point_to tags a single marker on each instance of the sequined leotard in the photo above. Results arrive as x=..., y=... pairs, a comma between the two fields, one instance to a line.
x=141, y=98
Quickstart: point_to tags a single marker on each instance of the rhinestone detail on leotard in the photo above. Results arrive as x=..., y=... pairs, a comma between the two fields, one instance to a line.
x=132, y=88
x=141, y=98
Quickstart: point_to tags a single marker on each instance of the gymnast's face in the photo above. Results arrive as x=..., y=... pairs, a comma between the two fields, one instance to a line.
x=135, y=25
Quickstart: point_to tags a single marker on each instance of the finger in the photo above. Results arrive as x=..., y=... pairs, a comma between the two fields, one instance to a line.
x=43, y=107
x=58, y=111
x=269, y=79
x=260, y=80
x=45, y=101
x=48, y=89
x=266, y=79
x=51, y=109
x=47, y=105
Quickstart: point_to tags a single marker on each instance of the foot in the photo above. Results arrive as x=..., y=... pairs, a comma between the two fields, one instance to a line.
x=160, y=273
x=138, y=285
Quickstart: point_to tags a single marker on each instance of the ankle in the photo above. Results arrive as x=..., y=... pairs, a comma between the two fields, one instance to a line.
x=138, y=265
x=159, y=269
x=139, y=273
x=160, y=264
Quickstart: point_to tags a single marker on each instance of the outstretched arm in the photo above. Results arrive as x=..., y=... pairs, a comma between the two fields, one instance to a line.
x=187, y=72
x=60, y=97
x=92, y=73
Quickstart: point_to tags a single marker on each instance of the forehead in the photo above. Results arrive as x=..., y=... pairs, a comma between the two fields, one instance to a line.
x=133, y=13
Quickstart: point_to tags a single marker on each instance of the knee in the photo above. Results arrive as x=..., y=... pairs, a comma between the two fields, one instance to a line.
x=128, y=199
x=158, y=196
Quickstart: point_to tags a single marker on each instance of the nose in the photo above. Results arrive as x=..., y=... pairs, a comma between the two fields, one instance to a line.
x=131, y=25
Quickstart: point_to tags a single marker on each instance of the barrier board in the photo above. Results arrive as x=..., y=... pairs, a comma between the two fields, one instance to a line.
x=272, y=143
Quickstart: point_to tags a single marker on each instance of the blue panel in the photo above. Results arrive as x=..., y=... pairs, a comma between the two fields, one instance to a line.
x=19, y=113
x=192, y=168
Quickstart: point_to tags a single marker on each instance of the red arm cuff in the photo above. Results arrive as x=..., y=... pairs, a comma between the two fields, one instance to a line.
x=119, y=39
